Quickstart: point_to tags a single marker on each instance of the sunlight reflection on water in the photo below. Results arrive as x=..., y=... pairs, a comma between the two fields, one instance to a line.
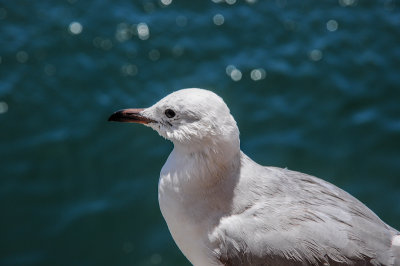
x=312, y=84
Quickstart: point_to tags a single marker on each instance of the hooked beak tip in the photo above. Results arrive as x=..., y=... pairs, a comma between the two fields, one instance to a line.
x=130, y=116
x=112, y=117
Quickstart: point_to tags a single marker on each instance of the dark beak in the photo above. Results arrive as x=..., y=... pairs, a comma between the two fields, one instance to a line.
x=130, y=116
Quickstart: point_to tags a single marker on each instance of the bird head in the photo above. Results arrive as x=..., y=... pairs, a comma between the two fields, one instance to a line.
x=193, y=119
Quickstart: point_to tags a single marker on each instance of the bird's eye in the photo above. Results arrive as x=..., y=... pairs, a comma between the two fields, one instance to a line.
x=169, y=113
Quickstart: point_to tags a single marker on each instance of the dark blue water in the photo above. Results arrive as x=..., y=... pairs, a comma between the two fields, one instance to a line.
x=313, y=85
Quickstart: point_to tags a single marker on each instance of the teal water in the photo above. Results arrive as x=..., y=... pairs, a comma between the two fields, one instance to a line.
x=313, y=85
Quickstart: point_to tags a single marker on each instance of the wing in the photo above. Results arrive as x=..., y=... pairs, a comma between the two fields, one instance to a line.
x=289, y=218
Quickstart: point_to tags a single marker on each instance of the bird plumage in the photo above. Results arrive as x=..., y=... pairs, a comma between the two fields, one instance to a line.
x=292, y=218
x=222, y=208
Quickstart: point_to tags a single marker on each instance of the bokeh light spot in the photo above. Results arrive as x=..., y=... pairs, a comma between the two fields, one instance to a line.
x=106, y=44
x=22, y=57
x=166, y=2
x=257, y=74
x=143, y=31
x=315, y=55
x=123, y=32
x=230, y=2
x=347, y=2
x=218, y=19
x=233, y=72
x=154, y=55
x=75, y=28
x=129, y=70
x=3, y=107
x=332, y=25
x=236, y=75
x=229, y=69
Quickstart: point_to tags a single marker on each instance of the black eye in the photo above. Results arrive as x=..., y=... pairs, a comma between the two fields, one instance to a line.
x=169, y=113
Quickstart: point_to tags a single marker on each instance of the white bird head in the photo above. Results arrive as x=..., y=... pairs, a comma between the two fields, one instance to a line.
x=193, y=119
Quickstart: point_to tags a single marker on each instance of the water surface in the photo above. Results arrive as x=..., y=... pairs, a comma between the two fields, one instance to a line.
x=313, y=85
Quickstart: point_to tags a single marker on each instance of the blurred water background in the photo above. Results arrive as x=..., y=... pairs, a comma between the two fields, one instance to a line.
x=314, y=86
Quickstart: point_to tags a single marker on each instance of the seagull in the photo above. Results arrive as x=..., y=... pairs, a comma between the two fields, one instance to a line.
x=222, y=208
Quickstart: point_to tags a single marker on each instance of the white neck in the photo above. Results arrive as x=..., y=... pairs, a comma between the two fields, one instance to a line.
x=203, y=167
x=192, y=182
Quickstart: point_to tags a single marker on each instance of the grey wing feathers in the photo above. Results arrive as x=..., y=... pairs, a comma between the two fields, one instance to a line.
x=303, y=221
x=396, y=252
